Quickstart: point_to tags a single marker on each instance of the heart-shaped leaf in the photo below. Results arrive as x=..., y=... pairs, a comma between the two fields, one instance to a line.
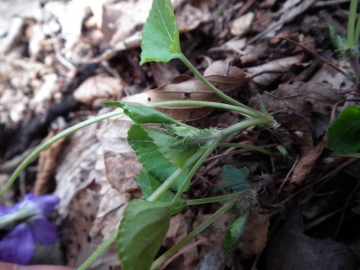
x=151, y=157
x=160, y=38
x=141, y=232
x=343, y=136
x=235, y=179
x=234, y=233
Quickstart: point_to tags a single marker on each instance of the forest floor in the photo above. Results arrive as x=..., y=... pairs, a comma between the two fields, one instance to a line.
x=59, y=61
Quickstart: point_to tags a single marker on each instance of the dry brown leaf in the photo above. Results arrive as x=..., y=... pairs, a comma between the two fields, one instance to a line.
x=263, y=20
x=46, y=91
x=13, y=106
x=98, y=87
x=210, y=4
x=121, y=163
x=120, y=20
x=327, y=74
x=253, y=53
x=75, y=165
x=306, y=163
x=296, y=106
x=179, y=228
x=190, y=17
x=48, y=161
x=79, y=222
x=186, y=88
x=304, y=98
x=254, y=238
x=289, y=12
x=240, y=25
x=163, y=72
x=282, y=64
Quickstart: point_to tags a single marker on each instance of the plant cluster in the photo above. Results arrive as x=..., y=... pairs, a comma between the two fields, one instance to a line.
x=171, y=152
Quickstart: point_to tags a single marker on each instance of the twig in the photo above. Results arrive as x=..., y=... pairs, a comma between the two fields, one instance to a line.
x=318, y=56
x=288, y=175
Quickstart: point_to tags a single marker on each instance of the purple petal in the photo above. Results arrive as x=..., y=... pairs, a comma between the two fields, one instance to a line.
x=18, y=246
x=45, y=202
x=5, y=210
x=44, y=231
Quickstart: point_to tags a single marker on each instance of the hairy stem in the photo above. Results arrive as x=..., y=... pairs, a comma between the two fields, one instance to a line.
x=45, y=145
x=172, y=178
x=347, y=155
x=190, y=103
x=351, y=23
x=222, y=198
x=250, y=146
x=244, y=125
x=193, y=170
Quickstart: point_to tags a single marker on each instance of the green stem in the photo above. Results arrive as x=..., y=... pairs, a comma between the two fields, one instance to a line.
x=347, y=155
x=357, y=32
x=250, y=146
x=190, y=103
x=227, y=197
x=244, y=125
x=45, y=145
x=351, y=23
x=100, y=250
x=208, y=84
x=172, y=178
x=222, y=134
x=42, y=147
x=193, y=170
x=168, y=254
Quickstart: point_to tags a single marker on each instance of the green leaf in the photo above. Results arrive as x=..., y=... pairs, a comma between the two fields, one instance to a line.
x=344, y=134
x=191, y=138
x=160, y=37
x=336, y=40
x=235, y=179
x=149, y=184
x=141, y=232
x=151, y=157
x=168, y=144
x=234, y=233
x=142, y=114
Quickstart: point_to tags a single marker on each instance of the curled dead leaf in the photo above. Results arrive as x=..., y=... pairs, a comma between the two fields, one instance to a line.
x=282, y=64
x=240, y=25
x=190, y=17
x=224, y=77
x=98, y=87
x=47, y=165
x=306, y=164
x=305, y=98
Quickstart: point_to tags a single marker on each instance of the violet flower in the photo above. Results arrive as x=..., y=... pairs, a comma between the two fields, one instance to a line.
x=28, y=223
